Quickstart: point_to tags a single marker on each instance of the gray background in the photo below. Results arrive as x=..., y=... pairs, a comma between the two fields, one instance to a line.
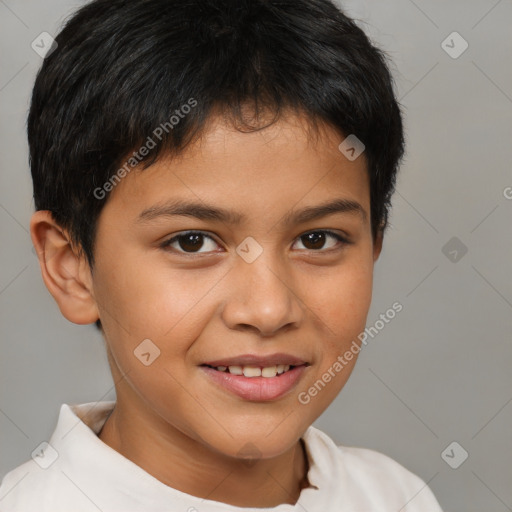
x=441, y=370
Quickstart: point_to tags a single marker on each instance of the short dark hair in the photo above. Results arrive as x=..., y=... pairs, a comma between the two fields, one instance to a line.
x=123, y=68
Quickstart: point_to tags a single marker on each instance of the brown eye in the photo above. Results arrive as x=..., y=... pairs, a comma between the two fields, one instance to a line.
x=190, y=242
x=315, y=240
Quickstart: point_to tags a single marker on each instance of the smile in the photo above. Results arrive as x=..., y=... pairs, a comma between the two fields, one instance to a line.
x=256, y=383
x=254, y=371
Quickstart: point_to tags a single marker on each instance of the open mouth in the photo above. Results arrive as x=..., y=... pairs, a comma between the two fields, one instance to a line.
x=256, y=383
x=256, y=371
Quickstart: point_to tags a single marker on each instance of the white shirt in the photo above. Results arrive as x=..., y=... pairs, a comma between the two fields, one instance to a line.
x=77, y=472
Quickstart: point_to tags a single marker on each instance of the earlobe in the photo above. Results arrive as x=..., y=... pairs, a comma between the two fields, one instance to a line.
x=66, y=274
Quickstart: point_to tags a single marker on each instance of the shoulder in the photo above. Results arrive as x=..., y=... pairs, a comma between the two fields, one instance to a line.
x=377, y=481
x=29, y=488
x=48, y=481
x=26, y=488
x=388, y=481
x=369, y=465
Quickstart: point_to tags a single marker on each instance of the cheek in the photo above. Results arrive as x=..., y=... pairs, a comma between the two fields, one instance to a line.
x=141, y=303
x=152, y=300
x=341, y=304
x=168, y=307
x=343, y=300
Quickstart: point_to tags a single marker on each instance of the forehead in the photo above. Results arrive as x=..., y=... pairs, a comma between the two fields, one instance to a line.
x=285, y=164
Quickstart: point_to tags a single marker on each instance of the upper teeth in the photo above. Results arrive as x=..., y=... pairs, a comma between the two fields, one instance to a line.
x=255, y=371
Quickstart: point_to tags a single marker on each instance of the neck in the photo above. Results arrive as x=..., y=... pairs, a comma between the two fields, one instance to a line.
x=171, y=457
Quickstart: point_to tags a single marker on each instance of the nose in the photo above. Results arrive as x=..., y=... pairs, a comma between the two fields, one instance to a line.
x=262, y=297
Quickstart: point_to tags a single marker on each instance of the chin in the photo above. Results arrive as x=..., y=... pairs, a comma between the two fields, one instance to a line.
x=253, y=445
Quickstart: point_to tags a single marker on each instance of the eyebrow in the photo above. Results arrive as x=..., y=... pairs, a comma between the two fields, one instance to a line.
x=205, y=211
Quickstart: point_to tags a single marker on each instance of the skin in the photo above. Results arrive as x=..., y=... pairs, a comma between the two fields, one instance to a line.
x=297, y=297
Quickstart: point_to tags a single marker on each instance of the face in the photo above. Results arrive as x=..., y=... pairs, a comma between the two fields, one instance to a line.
x=266, y=278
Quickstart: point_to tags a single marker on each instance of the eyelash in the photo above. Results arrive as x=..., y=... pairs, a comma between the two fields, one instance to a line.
x=165, y=245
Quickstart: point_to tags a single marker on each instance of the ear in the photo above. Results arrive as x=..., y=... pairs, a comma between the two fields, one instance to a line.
x=66, y=274
x=377, y=245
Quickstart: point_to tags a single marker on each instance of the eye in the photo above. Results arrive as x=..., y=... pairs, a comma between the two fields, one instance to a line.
x=316, y=240
x=191, y=242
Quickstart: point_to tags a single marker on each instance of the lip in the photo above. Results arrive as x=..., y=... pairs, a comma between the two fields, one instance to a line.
x=257, y=389
x=258, y=360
